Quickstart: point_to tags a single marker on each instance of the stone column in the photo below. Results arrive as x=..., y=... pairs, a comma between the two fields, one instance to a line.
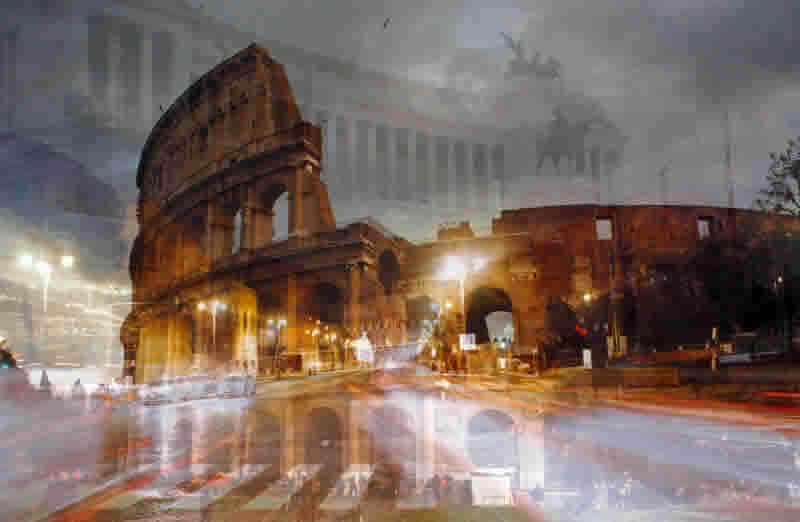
x=470, y=194
x=296, y=204
x=292, y=318
x=218, y=232
x=353, y=303
x=353, y=167
x=452, y=182
x=327, y=122
x=412, y=173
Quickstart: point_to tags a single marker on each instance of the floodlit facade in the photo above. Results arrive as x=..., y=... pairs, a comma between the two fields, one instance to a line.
x=215, y=283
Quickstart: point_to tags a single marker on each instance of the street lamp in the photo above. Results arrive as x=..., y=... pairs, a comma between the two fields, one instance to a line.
x=458, y=268
x=45, y=270
x=213, y=306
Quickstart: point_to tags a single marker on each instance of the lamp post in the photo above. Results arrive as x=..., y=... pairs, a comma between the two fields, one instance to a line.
x=213, y=307
x=45, y=270
x=276, y=346
x=460, y=268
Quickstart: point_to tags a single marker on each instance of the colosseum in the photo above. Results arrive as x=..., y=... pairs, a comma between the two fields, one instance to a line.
x=214, y=281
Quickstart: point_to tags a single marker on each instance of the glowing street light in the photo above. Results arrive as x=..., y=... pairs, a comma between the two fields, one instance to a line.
x=67, y=261
x=214, y=306
x=587, y=297
x=45, y=270
x=458, y=268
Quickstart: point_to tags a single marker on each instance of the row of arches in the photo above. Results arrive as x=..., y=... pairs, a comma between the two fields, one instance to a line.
x=211, y=232
x=491, y=439
x=256, y=438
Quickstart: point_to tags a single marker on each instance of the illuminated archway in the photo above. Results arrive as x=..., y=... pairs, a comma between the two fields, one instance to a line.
x=480, y=303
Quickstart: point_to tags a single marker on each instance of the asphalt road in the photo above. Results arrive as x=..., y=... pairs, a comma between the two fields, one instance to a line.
x=602, y=458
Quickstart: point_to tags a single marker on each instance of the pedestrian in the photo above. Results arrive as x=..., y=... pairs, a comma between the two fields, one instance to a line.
x=437, y=488
x=6, y=357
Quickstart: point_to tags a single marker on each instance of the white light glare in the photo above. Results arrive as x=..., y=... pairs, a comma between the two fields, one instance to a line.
x=43, y=267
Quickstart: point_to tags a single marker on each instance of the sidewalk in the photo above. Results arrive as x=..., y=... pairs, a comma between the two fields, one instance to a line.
x=288, y=378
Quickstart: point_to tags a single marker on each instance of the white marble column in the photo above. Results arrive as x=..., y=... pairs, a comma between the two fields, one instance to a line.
x=391, y=163
x=471, y=190
x=451, y=200
x=412, y=172
x=375, y=177
x=352, y=167
x=146, y=84
x=430, y=196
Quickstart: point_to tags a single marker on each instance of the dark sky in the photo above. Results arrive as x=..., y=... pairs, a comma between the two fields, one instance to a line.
x=665, y=71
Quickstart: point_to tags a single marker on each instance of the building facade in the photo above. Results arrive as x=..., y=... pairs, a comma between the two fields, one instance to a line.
x=404, y=152
x=214, y=282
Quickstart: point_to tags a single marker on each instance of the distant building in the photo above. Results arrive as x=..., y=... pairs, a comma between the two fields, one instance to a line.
x=404, y=152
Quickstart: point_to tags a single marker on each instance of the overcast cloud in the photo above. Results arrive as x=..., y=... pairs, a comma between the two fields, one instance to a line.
x=665, y=71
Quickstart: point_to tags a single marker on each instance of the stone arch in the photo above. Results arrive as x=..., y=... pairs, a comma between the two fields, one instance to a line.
x=324, y=438
x=480, y=303
x=492, y=440
x=388, y=271
x=327, y=304
x=275, y=201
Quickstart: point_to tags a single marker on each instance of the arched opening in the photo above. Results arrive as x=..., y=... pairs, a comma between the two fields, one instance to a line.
x=491, y=440
x=500, y=326
x=324, y=439
x=423, y=314
x=265, y=441
x=481, y=303
x=276, y=206
x=237, y=232
x=327, y=304
x=388, y=271
x=394, y=448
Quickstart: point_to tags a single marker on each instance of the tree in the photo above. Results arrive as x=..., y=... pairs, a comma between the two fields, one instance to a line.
x=782, y=196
